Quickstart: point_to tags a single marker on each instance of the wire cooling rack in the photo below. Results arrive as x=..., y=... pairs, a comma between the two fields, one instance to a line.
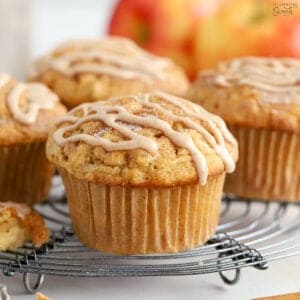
x=251, y=233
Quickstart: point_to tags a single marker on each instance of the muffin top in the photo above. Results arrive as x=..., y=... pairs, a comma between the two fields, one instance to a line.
x=21, y=210
x=252, y=91
x=27, y=111
x=94, y=69
x=32, y=225
x=143, y=140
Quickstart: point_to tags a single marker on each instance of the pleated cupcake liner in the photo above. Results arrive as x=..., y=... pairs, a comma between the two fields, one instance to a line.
x=268, y=166
x=128, y=220
x=25, y=173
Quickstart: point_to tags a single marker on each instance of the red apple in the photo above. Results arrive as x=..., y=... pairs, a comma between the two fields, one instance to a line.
x=161, y=26
x=199, y=33
x=142, y=21
x=283, y=40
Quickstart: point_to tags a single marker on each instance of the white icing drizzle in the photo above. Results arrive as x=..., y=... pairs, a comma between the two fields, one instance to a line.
x=37, y=96
x=215, y=123
x=112, y=56
x=118, y=118
x=21, y=210
x=277, y=79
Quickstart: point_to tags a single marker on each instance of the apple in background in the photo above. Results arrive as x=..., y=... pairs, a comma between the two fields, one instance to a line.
x=198, y=34
x=284, y=39
x=163, y=27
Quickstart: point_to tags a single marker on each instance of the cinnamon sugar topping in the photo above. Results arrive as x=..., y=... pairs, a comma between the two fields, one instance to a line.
x=277, y=79
x=118, y=57
x=117, y=117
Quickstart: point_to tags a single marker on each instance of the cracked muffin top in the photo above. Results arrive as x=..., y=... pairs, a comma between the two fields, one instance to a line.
x=252, y=91
x=143, y=140
x=27, y=111
x=95, y=69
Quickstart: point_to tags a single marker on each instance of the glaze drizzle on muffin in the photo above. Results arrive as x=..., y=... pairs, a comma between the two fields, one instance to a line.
x=277, y=79
x=21, y=210
x=114, y=116
x=37, y=97
x=113, y=56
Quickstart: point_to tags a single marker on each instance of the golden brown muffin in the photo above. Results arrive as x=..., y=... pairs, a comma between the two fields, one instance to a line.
x=259, y=98
x=27, y=113
x=144, y=173
x=92, y=70
x=18, y=225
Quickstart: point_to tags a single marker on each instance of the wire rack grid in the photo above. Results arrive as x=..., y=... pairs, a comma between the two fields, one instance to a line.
x=251, y=233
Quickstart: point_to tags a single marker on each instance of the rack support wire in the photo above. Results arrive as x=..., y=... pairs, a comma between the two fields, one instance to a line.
x=251, y=233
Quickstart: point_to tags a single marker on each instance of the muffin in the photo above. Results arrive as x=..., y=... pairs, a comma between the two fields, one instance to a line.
x=18, y=225
x=95, y=69
x=143, y=173
x=27, y=113
x=259, y=98
x=40, y=296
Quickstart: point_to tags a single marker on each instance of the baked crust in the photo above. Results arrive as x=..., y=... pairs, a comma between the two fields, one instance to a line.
x=90, y=86
x=292, y=296
x=20, y=224
x=170, y=166
x=13, y=132
x=245, y=104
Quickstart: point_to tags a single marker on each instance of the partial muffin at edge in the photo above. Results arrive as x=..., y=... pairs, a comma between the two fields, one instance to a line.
x=18, y=225
x=28, y=111
x=259, y=98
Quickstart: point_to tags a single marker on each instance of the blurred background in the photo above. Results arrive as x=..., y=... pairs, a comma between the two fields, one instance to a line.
x=29, y=28
x=195, y=33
